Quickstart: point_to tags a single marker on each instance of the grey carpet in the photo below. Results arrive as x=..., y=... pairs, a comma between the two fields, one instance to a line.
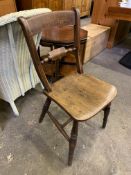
x=109, y=58
x=29, y=148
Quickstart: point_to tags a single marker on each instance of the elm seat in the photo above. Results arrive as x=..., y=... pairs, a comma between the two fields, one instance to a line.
x=90, y=95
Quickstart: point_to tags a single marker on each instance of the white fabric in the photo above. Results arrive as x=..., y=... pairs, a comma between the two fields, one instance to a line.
x=9, y=18
x=17, y=73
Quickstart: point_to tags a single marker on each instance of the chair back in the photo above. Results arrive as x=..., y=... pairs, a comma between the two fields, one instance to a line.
x=38, y=23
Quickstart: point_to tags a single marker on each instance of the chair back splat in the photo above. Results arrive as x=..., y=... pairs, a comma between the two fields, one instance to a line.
x=36, y=24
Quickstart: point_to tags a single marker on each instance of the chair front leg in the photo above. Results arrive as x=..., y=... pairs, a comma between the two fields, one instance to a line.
x=106, y=114
x=45, y=109
x=72, y=141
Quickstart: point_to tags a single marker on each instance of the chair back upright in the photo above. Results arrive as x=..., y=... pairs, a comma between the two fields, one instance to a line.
x=36, y=24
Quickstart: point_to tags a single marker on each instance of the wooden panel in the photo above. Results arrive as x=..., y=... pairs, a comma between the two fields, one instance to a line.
x=78, y=4
x=40, y=3
x=7, y=6
x=68, y=4
x=83, y=5
x=55, y=5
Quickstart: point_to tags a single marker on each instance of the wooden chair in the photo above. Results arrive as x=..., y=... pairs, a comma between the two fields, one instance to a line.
x=80, y=96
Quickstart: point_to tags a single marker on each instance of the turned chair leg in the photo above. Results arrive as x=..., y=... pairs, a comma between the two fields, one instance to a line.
x=106, y=114
x=45, y=109
x=72, y=142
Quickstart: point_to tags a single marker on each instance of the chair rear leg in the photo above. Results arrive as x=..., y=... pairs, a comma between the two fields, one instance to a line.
x=45, y=109
x=106, y=114
x=72, y=142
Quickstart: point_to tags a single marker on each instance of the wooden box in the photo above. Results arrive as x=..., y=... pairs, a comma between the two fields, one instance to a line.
x=96, y=41
x=7, y=6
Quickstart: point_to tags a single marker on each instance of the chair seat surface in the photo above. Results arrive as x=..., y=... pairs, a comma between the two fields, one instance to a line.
x=82, y=96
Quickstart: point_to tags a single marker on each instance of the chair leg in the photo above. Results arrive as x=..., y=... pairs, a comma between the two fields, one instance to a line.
x=45, y=109
x=38, y=50
x=106, y=114
x=72, y=141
